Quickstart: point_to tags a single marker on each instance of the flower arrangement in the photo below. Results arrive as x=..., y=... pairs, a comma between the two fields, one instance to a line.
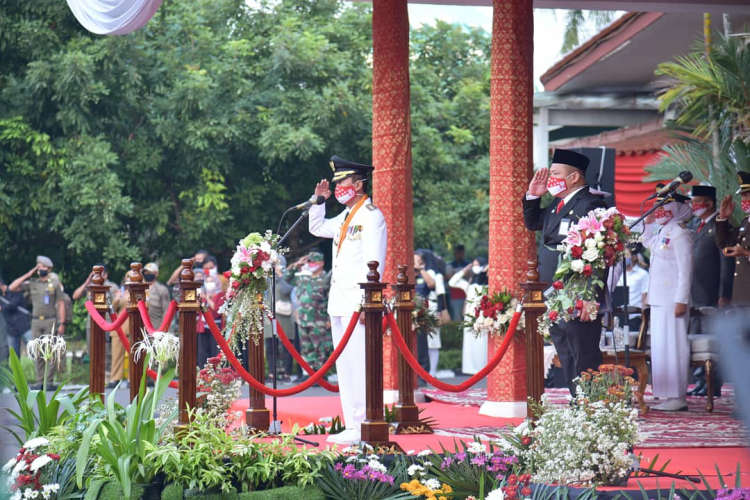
x=593, y=245
x=358, y=475
x=251, y=266
x=585, y=444
x=424, y=321
x=492, y=314
x=611, y=384
x=26, y=471
x=218, y=385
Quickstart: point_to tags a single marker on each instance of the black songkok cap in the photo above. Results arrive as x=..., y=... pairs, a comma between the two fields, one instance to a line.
x=708, y=191
x=344, y=168
x=568, y=157
x=743, y=179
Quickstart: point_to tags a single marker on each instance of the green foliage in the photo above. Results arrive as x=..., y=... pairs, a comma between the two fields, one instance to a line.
x=575, y=22
x=37, y=415
x=214, y=117
x=120, y=443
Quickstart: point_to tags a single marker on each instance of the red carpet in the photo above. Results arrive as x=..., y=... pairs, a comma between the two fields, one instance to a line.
x=455, y=423
x=693, y=428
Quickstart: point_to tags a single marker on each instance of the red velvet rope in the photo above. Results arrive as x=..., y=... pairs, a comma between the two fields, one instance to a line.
x=299, y=359
x=103, y=324
x=409, y=357
x=314, y=378
x=168, y=316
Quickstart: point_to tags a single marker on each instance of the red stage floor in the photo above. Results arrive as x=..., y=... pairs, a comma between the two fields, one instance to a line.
x=304, y=410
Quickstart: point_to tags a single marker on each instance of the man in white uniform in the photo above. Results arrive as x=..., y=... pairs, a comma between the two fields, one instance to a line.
x=359, y=236
x=670, y=278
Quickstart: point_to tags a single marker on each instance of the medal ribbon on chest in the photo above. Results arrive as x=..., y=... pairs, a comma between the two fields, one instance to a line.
x=345, y=226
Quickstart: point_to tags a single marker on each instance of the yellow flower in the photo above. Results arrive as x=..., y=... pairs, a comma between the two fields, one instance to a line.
x=447, y=489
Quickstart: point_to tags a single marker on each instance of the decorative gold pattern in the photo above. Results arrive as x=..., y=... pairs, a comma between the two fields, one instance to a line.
x=377, y=296
x=189, y=295
x=99, y=298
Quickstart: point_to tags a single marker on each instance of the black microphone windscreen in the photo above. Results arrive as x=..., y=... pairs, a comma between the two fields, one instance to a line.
x=686, y=176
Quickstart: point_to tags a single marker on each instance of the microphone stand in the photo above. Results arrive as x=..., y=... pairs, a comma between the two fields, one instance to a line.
x=275, y=426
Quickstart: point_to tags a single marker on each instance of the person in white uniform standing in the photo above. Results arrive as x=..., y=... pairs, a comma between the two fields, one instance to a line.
x=670, y=279
x=359, y=235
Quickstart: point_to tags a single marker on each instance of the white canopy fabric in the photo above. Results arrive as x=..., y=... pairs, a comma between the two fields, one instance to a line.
x=113, y=17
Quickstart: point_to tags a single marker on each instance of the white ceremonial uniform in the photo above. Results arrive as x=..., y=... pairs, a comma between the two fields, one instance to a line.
x=365, y=241
x=669, y=283
x=474, y=349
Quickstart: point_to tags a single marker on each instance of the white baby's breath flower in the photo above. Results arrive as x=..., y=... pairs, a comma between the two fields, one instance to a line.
x=9, y=464
x=376, y=465
x=424, y=453
x=47, y=348
x=413, y=469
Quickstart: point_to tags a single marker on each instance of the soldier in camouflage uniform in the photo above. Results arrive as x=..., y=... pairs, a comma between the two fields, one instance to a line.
x=311, y=283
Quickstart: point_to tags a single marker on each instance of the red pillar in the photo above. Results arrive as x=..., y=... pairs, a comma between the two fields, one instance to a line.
x=511, y=93
x=391, y=151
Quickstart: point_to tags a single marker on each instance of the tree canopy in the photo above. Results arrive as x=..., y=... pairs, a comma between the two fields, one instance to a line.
x=210, y=121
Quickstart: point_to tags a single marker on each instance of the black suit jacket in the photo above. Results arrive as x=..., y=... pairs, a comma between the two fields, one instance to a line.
x=547, y=220
x=713, y=273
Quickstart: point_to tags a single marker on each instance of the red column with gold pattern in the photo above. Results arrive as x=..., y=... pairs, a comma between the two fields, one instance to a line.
x=391, y=150
x=511, y=92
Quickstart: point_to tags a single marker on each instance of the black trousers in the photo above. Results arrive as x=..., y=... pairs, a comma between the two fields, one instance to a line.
x=577, y=345
x=207, y=347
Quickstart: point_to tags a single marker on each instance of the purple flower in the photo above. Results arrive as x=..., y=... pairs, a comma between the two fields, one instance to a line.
x=461, y=456
x=479, y=460
x=447, y=462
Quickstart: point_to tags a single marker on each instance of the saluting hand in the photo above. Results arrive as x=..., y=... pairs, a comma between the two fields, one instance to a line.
x=727, y=207
x=323, y=188
x=538, y=184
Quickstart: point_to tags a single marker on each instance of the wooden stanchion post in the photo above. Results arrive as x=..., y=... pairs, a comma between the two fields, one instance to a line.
x=407, y=412
x=188, y=309
x=374, y=428
x=533, y=308
x=136, y=290
x=257, y=416
x=98, y=292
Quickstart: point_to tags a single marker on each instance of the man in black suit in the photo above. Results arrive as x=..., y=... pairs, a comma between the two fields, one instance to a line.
x=576, y=342
x=713, y=273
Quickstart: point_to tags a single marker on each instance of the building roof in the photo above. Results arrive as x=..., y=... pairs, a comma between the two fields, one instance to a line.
x=644, y=138
x=699, y=6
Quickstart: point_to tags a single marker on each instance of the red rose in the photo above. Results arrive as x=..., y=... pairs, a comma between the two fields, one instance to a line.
x=570, y=310
x=553, y=315
x=608, y=223
x=53, y=456
x=244, y=270
x=587, y=270
x=526, y=440
x=579, y=304
x=526, y=491
x=619, y=246
x=235, y=284
x=558, y=285
x=576, y=252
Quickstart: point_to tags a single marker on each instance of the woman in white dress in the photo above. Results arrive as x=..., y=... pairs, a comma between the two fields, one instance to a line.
x=472, y=279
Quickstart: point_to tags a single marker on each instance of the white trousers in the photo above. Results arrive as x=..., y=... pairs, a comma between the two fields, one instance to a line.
x=670, y=352
x=351, y=373
x=474, y=352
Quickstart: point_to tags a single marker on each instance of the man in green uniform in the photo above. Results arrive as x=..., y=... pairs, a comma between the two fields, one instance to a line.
x=311, y=288
x=157, y=295
x=47, y=307
x=735, y=242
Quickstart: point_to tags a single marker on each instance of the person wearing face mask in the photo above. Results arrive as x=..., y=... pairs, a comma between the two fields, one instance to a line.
x=670, y=241
x=311, y=282
x=472, y=279
x=735, y=241
x=359, y=235
x=576, y=342
x=712, y=272
x=47, y=308
x=199, y=258
x=157, y=294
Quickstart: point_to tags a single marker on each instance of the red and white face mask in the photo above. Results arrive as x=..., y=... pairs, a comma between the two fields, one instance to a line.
x=745, y=204
x=699, y=209
x=556, y=185
x=662, y=216
x=344, y=194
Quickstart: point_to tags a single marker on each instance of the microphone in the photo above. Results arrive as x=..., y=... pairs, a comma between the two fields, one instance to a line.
x=319, y=200
x=683, y=178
